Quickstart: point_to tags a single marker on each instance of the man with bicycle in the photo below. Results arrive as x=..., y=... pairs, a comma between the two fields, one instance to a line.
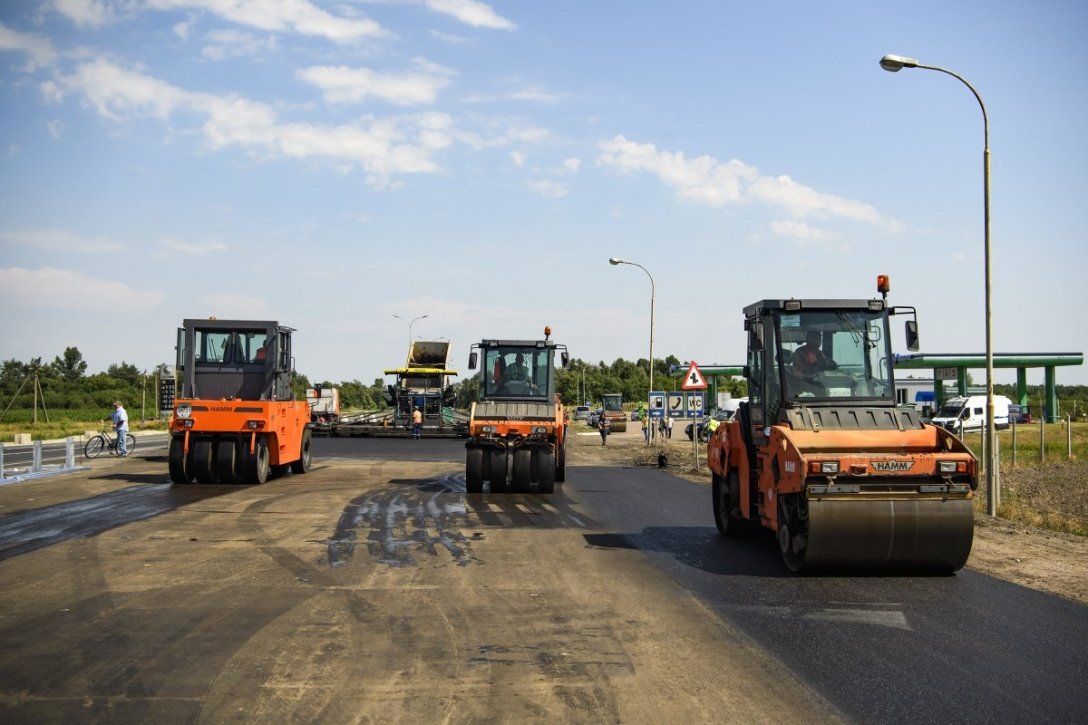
x=120, y=424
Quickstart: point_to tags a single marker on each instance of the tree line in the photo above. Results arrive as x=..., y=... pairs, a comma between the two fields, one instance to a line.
x=64, y=384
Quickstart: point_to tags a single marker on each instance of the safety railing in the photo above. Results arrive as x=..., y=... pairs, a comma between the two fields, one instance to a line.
x=40, y=458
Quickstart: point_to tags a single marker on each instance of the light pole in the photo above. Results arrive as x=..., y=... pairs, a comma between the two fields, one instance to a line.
x=616, y=260
x=894, y=63
x=408, y=357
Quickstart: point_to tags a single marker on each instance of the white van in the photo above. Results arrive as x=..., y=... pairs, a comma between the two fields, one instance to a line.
x=970, y=413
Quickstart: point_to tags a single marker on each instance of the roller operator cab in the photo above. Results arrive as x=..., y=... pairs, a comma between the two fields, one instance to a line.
x=822, y=455
x=236, y=418
x=517, y=430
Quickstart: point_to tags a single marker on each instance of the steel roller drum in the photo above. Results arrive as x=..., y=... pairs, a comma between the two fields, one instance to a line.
x=923, y=533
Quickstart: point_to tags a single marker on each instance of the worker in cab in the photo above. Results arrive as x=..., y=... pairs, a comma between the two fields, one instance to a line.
x=809, y=358
x=519, y=370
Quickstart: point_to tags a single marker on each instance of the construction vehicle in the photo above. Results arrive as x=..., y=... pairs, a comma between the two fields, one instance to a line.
x=324, y=404
x=822, y=455
x=517, y=430
x=423, y=382
x=236, y=418
x=612, y=408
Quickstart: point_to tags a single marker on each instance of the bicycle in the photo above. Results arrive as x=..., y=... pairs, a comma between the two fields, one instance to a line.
x=104, y=441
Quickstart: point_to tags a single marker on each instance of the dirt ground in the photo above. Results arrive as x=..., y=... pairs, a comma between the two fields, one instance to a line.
x=1024, y=554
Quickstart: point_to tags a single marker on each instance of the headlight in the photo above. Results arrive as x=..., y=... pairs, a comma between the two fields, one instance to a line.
x=829, y=468
x=539, y=429
x=488, y=429
x=254, y=424
x=183, y=411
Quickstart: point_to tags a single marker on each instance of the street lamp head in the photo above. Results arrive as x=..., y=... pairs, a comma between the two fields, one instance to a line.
x=894, y=63
x=615, y=260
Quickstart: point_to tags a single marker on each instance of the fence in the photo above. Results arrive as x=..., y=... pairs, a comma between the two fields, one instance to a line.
x=22, y=462
x=48, y=458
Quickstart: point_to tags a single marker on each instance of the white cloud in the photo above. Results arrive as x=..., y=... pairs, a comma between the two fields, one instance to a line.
x=196, y=249
x=381, y=146
x=535, y=95
x=40, y=50
x=85, y=13
x=519, y=158
x=548, y=188
x=341, y=84
x=471, y=12
x=705, y=180
x=236, y=306
x=55, y=128
x=72, y=291
x=299, y=16
x=225, y=44
x=59, y=240
x=572, y=165
x=449, y=37
x=800, y=231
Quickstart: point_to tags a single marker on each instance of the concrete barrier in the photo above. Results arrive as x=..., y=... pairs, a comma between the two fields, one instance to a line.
x=22, y=439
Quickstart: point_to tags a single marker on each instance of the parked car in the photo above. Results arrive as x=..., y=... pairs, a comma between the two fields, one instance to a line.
x=582, y=412
x=704, y=435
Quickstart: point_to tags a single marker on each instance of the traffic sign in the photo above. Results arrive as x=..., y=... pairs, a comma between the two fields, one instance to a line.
x=694, y=379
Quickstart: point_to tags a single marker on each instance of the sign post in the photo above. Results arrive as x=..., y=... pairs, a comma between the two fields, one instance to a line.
x=694, y=380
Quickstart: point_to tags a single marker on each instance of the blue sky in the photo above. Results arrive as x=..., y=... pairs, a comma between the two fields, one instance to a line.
x=334, y=165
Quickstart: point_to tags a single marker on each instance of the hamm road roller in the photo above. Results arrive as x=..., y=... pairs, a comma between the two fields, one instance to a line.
x=517, y=431
x=823, y=455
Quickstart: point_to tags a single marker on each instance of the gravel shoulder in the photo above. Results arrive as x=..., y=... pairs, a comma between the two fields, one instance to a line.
x=1031, y=556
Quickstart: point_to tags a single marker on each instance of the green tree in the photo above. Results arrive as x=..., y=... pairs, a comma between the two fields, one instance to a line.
x=71, y=367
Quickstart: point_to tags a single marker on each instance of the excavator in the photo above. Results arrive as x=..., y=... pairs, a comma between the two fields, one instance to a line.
x=824, y=456
x=517, y=431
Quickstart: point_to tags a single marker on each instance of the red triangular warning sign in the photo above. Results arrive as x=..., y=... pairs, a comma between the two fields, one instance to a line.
x=694, y=379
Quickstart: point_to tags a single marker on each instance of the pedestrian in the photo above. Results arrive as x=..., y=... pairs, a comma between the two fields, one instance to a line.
x=603, y=425
x=120, y=424
x=668, y=426
x=417, y=423
x=647, y=430
x=662, y=427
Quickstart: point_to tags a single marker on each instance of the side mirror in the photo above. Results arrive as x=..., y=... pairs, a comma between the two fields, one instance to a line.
x=564, y=358
x=755, y=336
x=472, y=361
x=912, y=335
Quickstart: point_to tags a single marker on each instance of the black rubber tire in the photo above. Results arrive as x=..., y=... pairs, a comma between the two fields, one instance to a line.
x=202, y=461
x=179, y=467
x=546, y=472
x=497, y=469
x=305, y=456
x=726, y=502
x=94, y=447
x=521, y=470
x=561, y=462
x=130, y=443
x=226, y=461
x=474, y=470
x=254, y=467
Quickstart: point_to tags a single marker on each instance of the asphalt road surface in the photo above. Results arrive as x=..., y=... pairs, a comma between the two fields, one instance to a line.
x=373, y=589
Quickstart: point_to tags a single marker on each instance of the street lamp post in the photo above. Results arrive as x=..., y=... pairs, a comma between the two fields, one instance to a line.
x=408, y=357
x=894, y=63
x=616, y=260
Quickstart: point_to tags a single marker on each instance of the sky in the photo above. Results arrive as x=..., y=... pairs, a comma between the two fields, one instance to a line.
x=346, y=168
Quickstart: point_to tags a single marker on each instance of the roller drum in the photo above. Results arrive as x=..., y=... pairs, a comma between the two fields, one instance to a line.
x=915, y=533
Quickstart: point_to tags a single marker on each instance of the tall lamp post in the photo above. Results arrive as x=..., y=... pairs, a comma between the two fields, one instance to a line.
x=616, y=260
x=408, y=357
x=894, y=63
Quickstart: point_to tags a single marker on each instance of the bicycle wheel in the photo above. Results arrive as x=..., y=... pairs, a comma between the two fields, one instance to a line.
x=130, y=442
x=94, y=446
